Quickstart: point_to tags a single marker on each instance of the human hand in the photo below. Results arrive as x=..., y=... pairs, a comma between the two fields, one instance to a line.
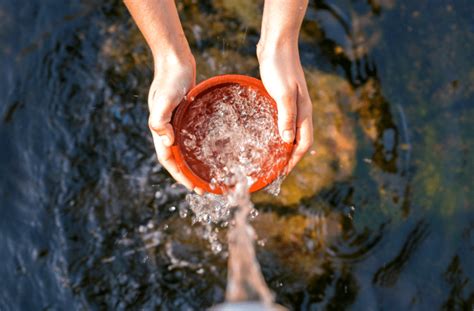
x=175, y=75
x=283, y=77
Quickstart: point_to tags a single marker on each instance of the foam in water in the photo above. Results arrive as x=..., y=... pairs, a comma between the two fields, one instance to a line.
x=237, y=142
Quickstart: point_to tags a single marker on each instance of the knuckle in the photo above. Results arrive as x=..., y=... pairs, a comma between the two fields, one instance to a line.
x=303, y=147
x=158, y=123
x=288, y=96
x=155, y=124
x=288, y=117
x=307, y=107
x=308, y=143
x=300, y=153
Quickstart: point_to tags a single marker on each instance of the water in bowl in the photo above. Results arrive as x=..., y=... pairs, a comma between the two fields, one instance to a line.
x=232, y=130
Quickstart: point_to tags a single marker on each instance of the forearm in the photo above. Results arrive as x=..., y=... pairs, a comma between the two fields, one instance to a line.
x=281, y=24
x=159, y=23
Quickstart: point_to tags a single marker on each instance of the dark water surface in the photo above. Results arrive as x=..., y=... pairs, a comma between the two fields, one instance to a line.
x=89, y=220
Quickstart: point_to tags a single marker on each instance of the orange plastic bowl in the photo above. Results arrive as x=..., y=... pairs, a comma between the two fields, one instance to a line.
x=179, y=119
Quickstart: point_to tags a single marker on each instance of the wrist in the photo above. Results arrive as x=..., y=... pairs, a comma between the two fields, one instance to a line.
x=171, y=45
x=281, y=23
x=269, y=47
x=177, y=54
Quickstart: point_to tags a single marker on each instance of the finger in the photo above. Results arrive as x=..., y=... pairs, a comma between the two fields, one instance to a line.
x=164, y=131
x=165, y=156
x=304, y=141
x=161, y=110
x=286, y=105
x=304, y=126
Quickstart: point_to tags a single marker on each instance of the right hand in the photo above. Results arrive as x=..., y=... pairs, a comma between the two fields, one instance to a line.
x=283, y=77
x=174, y=77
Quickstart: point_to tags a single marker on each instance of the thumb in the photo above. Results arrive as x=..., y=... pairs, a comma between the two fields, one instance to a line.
x=286, y=105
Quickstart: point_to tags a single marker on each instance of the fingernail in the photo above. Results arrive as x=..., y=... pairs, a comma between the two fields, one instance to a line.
x=165, y=140
x=288, y=136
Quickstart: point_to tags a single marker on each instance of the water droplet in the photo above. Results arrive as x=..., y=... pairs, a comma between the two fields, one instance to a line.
x=253, y=213
x=216, y=248
x=183, y=212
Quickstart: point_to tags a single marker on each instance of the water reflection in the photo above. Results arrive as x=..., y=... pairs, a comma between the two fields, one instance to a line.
x=378, y=217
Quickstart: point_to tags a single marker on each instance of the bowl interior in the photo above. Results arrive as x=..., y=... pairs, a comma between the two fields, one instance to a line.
x=197, y=113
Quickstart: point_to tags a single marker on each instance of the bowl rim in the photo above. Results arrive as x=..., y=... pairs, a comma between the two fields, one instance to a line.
x=178, y=116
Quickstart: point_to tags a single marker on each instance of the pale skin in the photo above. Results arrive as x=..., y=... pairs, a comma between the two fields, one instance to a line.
x=175, y=73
